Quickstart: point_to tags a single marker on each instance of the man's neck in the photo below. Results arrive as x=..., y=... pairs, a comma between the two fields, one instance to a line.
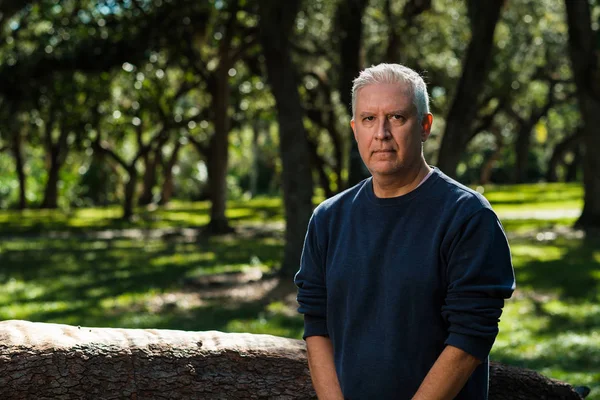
x=397, y=185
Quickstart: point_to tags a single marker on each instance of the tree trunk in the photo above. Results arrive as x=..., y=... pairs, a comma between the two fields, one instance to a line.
x=522, y=145
x=350, y=27
x=583, y=49
x=256, y=128
x=130, y=187
x=319, y=165
x=558, y=153
x=50, y=200
x=573, y=166
x=488, y=166
x=152, y=160
x=484, y=16
x=168, y=185
x=276, y=23
x=63, y=362
x=56, y=154
x=412, y=8
x=512, y=383
x=17, y=150
x=219, y=144
x=55, y=361
x=217, y=167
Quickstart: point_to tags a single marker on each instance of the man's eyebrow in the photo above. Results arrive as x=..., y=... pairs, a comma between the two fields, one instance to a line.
x=398, y=111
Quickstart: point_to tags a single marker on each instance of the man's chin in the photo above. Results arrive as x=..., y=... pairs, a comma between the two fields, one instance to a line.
x=387, y=171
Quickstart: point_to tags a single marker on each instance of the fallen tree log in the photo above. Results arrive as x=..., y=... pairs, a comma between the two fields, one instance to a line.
x=51, y=361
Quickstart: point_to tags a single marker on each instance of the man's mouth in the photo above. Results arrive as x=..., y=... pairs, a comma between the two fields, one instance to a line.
x=383, y=151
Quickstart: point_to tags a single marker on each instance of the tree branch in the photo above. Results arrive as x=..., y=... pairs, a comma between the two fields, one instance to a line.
x=202, y=148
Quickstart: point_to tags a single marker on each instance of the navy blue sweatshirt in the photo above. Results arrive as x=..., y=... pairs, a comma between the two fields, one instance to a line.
x=392, y=281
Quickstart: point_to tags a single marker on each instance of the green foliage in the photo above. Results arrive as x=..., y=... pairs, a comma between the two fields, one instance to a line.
x=116, y=68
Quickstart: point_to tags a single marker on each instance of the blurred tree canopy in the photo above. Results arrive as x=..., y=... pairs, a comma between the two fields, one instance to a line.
x=142, y=101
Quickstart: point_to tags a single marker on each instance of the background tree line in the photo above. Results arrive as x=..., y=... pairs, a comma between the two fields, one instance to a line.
x=138, y=102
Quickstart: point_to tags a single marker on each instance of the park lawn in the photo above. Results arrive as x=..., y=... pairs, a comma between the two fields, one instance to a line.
x=57, y=267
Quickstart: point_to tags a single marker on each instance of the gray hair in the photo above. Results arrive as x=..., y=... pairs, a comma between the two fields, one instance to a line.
x=394, y=73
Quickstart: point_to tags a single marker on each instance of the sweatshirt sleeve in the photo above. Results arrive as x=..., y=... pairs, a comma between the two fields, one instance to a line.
x=480, y=276
x=310, y=280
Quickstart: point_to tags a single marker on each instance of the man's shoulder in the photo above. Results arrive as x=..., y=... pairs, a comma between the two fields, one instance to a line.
x=341, y=201
x=464, y=198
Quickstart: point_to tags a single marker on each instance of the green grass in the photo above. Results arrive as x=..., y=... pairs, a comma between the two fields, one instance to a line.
x=552, y=324
x=176, y=215
x=53, y=268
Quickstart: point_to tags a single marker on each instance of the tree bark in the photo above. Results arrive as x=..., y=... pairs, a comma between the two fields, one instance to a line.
x=64, y=362
x=522, y=146
x=50, y=200
x=396, y=42
x=526, y=126
x=217, y=167
x=484, y=17
x=558, y=153
x=583, y=50
x=256, y=130
x=319, y=165
x=324, y=116
x=573, y=166
x=350, y=27
x=130, y=187
x=152, y=160
x=52, y=361
x=276, y=23
x=512, y=383
x=485, y=174
x=56, y=156
x=168, y=185
x=219, y=143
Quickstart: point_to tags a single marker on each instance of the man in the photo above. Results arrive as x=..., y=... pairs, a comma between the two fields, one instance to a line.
x=403, y=277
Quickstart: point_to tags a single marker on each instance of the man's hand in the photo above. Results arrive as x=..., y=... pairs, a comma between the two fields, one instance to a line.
x=322, y=368
x=448, y=375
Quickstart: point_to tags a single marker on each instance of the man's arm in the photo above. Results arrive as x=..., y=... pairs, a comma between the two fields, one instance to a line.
x=322, y=368
x=448, y=375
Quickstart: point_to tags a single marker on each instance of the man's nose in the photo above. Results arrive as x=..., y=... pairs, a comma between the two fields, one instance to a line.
x=383, y=130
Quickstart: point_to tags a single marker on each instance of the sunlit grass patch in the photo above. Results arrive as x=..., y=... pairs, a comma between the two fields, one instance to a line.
x=520, y=226
x=179, y=258
x=555, y=337
x=271, y=323
x=533, y=193
x=552, y=324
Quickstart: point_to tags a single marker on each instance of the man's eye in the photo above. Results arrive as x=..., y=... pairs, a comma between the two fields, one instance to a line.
x=397, y=117
x=369, y=118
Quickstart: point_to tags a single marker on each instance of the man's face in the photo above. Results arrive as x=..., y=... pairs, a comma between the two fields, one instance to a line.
x=387, y=129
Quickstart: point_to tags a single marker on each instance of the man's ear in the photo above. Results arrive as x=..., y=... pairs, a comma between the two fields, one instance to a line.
x=426, y=124
x=353, y=126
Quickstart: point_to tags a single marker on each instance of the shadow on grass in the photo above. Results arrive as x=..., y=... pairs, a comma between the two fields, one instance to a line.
x=107, y=282
x=573, y=367
x=567, y=267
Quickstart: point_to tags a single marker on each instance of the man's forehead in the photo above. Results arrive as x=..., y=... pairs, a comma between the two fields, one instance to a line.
x=396, y=94
x=403, y=90
x=400, y=86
